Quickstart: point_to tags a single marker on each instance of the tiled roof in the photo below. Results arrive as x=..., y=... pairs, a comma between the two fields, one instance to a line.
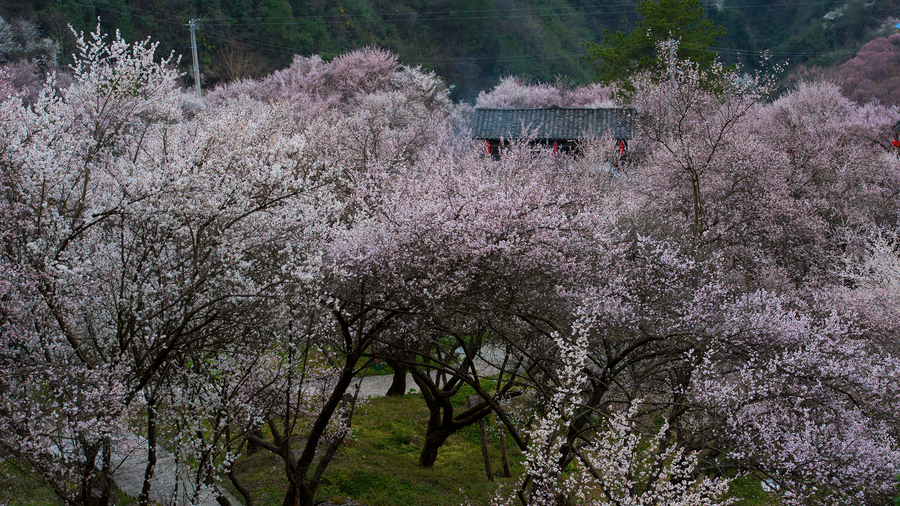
x=554, y=123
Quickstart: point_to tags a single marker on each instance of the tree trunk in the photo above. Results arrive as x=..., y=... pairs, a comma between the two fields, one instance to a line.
x=441, y=422
x=303, y=489
x=398, y=386
x=299, y=496
x=107, y=488
x=144, y=496
x=501, y=429
x=248, y=497
x=87, y=476
x=433, y=443
x=485, y=453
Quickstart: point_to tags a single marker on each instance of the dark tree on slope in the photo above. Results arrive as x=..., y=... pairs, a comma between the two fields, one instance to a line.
x=621, y=54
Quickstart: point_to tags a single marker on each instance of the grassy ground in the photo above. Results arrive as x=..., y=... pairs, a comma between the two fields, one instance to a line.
x=379, y=466
x=22, y=488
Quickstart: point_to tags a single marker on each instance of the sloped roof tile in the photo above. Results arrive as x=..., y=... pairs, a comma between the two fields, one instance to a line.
x=554, y=123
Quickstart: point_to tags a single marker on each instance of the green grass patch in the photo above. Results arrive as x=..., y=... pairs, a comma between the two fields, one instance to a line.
x=20, y=487
x=748, y=491
x=379, y=464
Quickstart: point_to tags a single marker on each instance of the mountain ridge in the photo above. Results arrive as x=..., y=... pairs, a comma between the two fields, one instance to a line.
x=470, y=43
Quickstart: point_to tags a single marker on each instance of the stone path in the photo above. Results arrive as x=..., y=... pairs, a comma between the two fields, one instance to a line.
x=170, y=484
x=376, y=386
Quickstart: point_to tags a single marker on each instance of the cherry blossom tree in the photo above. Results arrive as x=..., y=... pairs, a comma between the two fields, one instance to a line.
x=51, y=204
x=453, y=237
x=871, y=75
x=869, y=268
x=755, y=199
x=373, y=117
x=516, y=93
x=713, y=294
x=807, y=409
x=620, y=465
x=145, y=241
x=7, y=88
x=315, y=85
x=27, y=58
x=21, y=41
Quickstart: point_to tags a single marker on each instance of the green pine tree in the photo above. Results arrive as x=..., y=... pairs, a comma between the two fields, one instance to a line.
x=623, y=54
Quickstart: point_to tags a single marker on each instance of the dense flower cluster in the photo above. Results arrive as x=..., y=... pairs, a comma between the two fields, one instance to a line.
x=516, y=93
x=218, y=271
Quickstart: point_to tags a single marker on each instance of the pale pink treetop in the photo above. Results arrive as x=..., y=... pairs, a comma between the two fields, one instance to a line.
x=516, y=93
x=873, y=75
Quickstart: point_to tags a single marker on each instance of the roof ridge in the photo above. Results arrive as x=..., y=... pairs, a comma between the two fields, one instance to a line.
x=554, y=123
x=554, y=108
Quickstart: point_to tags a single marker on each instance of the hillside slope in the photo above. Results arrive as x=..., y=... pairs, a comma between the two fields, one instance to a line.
x=471, y=43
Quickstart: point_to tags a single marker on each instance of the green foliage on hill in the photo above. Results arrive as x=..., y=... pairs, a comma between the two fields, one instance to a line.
x=813, y=33
x=622, y=54
x=471, y=43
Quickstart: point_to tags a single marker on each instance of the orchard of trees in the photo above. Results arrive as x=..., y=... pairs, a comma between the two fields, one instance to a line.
x=874, y=73
x=211, y=274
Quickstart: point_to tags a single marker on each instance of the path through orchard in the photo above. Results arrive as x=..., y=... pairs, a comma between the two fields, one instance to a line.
x=172, y=484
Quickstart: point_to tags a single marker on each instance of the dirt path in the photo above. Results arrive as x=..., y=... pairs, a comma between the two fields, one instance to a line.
x=171, y=483
x=376, y=386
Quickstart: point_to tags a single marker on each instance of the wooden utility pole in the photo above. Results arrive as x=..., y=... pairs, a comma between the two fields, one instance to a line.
x=192, y=24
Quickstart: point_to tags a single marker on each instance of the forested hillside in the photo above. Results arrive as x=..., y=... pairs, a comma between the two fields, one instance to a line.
x=472, y=44
x=813, y=33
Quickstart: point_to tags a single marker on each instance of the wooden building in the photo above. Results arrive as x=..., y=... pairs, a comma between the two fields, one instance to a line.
x=556, y=127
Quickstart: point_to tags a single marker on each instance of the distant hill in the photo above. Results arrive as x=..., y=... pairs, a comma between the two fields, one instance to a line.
x=471, y=43
x=815, y=33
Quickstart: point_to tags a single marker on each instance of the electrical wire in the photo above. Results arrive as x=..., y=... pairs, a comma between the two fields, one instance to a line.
x=381, y=17
x=573, y=10
x=130, y=11
x=209, y=25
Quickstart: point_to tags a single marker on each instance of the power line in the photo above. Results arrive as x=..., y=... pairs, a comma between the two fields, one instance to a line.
x=381, y=17
x=478, y=14
x=416, y=14
x=266, y=45
x=130, y=11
